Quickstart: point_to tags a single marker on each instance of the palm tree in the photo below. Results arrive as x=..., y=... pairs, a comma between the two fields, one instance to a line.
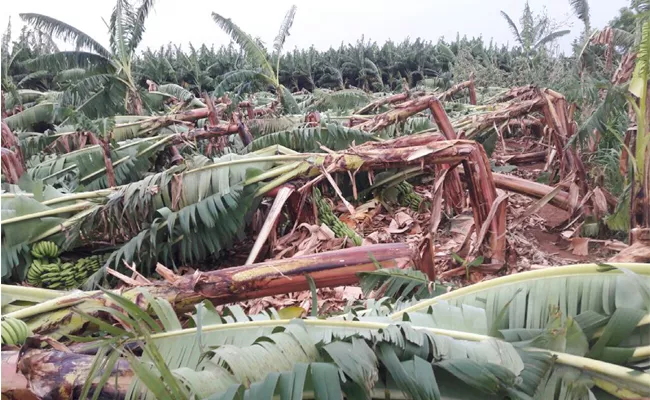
x=266, y=69
x=105, y=84
x=534, y=32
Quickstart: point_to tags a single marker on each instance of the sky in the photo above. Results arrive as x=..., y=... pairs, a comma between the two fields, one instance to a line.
x=318, y=23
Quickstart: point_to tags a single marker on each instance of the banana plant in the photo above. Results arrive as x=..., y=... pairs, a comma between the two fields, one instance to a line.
x=581, y=9
x=534, y=33
x=267, y=69
x=157, y=65
x=220, y=194
x=18, y=82
x=445, y=347
x=639, y=89
x=108, y=85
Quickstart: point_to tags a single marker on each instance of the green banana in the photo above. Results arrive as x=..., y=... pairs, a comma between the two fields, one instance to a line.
x=7, y=337
x=327, y=217
x=14, y=331
x=45, y=249
x=408, y=197
x=48, y=271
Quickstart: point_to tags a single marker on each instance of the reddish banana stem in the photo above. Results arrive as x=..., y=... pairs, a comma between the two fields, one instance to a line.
x=333, y=268
x=472, y=90
x=531, y=189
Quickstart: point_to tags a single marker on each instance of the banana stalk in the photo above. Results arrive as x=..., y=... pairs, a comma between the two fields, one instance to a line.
x=57, y=317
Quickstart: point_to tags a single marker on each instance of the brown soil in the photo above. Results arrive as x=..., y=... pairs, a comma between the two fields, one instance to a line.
x=552, y=242
x=549, y=242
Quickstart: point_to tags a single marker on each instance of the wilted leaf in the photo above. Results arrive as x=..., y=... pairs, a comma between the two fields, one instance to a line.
x=580, y=246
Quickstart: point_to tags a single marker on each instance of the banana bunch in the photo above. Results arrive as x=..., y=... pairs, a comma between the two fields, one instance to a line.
x=408, y=197
x=14, y=331
x=46, y=260
x=45, y=250
x=60, y=276
x=39, y=267
x=327, y=217
x=89, y=265
x=48, y=271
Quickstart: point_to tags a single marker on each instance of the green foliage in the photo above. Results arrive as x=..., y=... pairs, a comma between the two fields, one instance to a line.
x=180, y=223
x=251, y=48
x=399, y=284
x=639, y=88
x=290, y=352
x=364, y=64
x=619, y=220
x=26, y=120
x=180, y=93
x=365, y=356
x=625, y=20
x=38, y=219
x=531, y=304
x=608, y=112
x=535, y=31
x=339, y=101
x=21, y=96
x=87, y=166
x=191, y=234
x=581, y=8
x=107, y=87
x=306, y=140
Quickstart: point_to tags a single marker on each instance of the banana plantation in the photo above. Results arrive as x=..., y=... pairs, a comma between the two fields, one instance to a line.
x=403, y=220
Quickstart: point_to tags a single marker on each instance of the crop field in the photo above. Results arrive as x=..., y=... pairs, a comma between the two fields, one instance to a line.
x=399, y=220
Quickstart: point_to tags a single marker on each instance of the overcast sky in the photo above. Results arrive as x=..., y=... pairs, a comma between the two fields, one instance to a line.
x=321, y=23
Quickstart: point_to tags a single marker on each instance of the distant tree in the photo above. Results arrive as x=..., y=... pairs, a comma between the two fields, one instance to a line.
x=534, y=32
x=266, y=69
x=625, y=20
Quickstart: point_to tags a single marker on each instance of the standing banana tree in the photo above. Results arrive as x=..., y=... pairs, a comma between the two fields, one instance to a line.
x=535, y=32
x=581, y=9
x=267, y=68
x=106, y=84
x=359, y=67
x=639, y=89
x=20, y=84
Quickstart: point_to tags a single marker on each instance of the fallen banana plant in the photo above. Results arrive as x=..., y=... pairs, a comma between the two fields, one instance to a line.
x=57, y=317
x=422, y=362
x=167, y=216
x=532, y=189
x=447, y=350
x=609, y=304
